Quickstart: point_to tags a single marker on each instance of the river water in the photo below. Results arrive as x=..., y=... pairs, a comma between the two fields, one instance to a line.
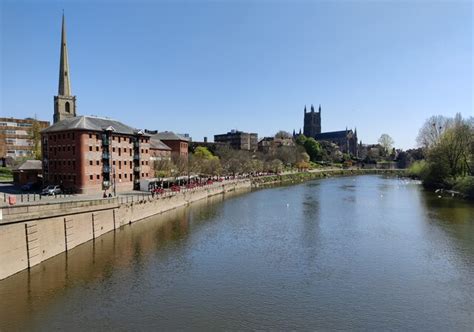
x=362, y=252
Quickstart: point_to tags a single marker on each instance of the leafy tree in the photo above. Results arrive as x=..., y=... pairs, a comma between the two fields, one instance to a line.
x=35, y=136
x=313, y=149
x=202, y=152
x=163, y=168
x=301, y=139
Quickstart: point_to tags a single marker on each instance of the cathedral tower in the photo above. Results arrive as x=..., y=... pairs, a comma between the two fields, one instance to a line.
x=64, y=102
x=312, y=122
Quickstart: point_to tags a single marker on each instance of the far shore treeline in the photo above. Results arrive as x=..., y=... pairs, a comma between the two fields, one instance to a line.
x=448, y=149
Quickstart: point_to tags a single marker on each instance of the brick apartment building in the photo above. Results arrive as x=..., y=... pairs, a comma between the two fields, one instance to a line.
x=16, y=137
x=238, y=140
x=177, y=143
x=90, y=154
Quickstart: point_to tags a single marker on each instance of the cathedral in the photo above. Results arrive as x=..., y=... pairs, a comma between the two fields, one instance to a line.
x=345, y=139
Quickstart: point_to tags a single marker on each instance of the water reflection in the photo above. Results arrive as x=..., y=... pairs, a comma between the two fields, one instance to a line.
x=125, y=251
x=342, y=253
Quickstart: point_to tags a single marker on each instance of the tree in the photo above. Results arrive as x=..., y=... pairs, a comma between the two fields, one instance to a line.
x=432, y=130
x=301, y=139
x=283, y=134
x=35, y=136
x=202, y=152
x=313, y=149
x=162, y=168
x=386, y=142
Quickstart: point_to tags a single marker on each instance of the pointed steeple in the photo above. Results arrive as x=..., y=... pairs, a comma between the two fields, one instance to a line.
x=64, y=102
x=305, y=109
x=64, y=81
x=319, y=108
x=312, y=108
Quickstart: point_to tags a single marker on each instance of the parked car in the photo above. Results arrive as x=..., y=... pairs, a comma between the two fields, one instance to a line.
x=51, y=190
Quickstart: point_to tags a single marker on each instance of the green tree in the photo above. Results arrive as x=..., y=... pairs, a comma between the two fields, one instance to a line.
x=35, y=136
x=301, y=139
x=313, y=149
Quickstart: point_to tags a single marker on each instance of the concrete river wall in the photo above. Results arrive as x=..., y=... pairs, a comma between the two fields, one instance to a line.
x=30, y=234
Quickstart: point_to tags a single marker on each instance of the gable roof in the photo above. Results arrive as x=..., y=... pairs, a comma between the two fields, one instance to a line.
x=156, y=144
x=169, y=136
x=29, y=165
x=332, y=135
x=91, y=123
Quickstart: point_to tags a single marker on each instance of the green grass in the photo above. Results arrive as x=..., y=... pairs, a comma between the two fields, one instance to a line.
x=6, y=174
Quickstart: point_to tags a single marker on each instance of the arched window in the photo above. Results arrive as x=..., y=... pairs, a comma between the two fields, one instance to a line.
x=67, y=107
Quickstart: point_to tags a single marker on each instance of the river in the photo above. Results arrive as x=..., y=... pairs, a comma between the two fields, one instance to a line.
x=364, y=252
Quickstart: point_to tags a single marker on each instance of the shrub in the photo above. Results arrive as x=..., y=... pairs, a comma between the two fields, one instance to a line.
x=418, y=169
x=465, y=185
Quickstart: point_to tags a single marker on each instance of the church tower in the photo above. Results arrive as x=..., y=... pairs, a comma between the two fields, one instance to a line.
x=312, y=122
x=64, y=102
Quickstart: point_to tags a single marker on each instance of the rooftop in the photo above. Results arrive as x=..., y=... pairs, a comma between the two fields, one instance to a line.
x=29, y=165
x=169, y=136
x=91, y=123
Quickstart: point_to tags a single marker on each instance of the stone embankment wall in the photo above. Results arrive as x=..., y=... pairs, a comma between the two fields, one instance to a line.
x=290, y=178
x=31, y=234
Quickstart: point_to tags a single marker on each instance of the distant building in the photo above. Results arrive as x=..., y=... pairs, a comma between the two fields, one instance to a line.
x=159, y=150
x=312, y=122
x=238, y=140
x=16, y=137
x=30, y=171
x=345, y=139
x=177, y=143
x=266, y=144
x=90, y=154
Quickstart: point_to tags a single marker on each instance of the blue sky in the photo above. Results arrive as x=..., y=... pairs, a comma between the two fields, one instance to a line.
x=205, y=67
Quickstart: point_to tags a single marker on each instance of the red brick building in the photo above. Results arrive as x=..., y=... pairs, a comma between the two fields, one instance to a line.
x=90, y=154
x=177, y=143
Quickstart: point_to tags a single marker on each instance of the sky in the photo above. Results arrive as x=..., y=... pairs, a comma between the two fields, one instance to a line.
x=206, y=67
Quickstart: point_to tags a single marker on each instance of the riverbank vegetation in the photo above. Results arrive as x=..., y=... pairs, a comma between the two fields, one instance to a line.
x=448, y=145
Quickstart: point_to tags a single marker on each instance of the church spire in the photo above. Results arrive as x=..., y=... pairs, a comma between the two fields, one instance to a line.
x=64, y=102
x=64, y=82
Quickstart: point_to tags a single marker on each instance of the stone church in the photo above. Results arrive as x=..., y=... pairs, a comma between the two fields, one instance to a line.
x=345, y=139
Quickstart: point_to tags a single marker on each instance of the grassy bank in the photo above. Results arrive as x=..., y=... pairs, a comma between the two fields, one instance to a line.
x=306, y=176
x=6, y=174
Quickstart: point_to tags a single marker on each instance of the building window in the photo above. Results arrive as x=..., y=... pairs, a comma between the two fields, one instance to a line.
x=119, y=139
x=113, y=149
x=90, y=148
x=97, y=163
x=72, y=135
x=125, y=162
x=73, y=150
x=130, y=176
x=146, y=151
x=146, y=174
x=97, y=137
x=98, y=177
x=130, y=164
x=113, y=163
x=68, y=110
x=67, y=135
x=120, y=176
x=90, y=162
x=97, y=148
x=68, y=148
x=91, y=177
x=124, y=150
x=125, y=175
x=143, y=174
x=120, y=164
x=90, y=135
x=120, y=152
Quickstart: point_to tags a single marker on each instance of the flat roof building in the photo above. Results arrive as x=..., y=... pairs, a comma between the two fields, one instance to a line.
x=238, y=140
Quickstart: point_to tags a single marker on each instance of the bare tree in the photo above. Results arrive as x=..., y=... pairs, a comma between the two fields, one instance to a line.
x=386, y=142
x=430, y=134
